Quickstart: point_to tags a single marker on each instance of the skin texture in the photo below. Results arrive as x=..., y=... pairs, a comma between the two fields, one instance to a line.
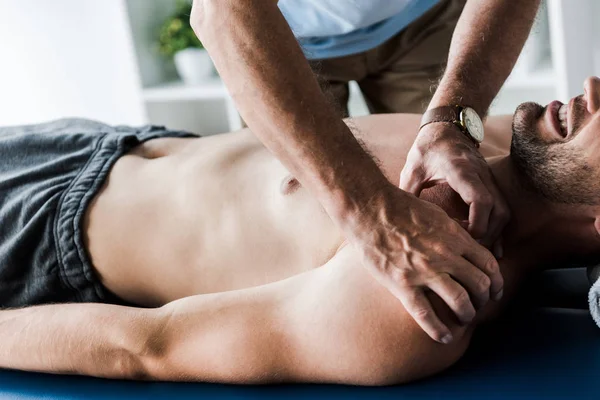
x=276, y=93
x=332, y=323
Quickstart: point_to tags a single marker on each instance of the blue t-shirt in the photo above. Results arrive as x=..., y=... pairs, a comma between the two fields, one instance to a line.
x=336, y=28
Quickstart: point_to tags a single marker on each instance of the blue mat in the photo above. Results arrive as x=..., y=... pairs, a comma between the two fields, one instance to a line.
x=541, y=353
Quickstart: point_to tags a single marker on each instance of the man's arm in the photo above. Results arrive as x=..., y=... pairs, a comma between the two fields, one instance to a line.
x=331, y=324
x=485, y=46
x=276, y=93
x=89, y=339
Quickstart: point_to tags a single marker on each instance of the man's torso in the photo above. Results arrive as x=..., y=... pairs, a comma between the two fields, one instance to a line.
x=179, y=217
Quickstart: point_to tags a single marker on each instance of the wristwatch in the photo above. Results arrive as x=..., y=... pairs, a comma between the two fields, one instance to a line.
x=465, y=118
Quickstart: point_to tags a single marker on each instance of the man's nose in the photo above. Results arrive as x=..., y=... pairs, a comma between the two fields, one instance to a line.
x=591, y=88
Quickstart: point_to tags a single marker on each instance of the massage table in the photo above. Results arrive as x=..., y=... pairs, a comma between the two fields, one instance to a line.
x=546, y=348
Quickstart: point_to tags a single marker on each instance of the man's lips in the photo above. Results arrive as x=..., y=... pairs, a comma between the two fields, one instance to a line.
x=552, y=118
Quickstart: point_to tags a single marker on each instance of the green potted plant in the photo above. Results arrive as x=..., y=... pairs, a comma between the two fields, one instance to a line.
x=176, y=39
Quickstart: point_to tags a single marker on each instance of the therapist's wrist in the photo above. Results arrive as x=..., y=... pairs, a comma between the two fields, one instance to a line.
x=356, y=208
x=455, y=89
x=345, y=202
x=347, y=177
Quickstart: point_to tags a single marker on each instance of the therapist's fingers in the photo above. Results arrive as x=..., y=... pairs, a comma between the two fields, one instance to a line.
x=473, y=279
x=474, y=193
x=487, y=263
x=455, y=296
x=419, y=307
x=499, y=216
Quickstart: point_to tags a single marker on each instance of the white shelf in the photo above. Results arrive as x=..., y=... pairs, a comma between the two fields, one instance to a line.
x=211, y=90
x=178, y=91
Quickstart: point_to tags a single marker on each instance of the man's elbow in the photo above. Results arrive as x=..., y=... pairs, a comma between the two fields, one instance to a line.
x=142, y=351
x=211, y=17
x=235, y=350
x=128, y=357
x=207, y=14
x=200, y=16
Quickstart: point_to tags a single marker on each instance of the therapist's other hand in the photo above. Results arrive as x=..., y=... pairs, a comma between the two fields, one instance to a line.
x=411, y=246
x=441, y=153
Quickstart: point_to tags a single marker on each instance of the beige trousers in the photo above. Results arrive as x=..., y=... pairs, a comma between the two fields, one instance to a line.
x=401, y=74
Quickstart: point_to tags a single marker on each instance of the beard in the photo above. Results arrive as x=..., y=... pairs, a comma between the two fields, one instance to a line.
x=557, y=172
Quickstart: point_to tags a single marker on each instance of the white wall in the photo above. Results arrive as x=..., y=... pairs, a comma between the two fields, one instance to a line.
x=64, y=58
x=146, y=18
x=573, y=49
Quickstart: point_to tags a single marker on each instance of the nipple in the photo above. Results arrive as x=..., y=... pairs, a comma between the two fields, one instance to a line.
x=289, y=185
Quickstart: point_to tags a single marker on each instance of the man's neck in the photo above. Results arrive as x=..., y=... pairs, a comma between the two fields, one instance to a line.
x=538, y=231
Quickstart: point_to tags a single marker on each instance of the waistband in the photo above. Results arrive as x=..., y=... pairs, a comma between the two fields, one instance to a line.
x=75, y=266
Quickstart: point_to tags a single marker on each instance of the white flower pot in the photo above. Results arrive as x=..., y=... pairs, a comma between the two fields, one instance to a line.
x=194, y=66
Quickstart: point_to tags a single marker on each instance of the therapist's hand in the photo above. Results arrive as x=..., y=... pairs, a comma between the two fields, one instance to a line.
x=441, y=153
x=411, y=246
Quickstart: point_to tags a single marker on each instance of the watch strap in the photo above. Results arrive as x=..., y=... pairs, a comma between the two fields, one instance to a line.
x=449, y=114
x=441, y=114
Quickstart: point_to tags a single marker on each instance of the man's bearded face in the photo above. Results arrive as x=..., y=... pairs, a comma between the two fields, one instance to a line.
x=548, y=152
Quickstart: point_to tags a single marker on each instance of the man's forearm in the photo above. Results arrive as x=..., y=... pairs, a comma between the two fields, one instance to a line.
x=487, y=41
x=278, y=96
x=89, y=339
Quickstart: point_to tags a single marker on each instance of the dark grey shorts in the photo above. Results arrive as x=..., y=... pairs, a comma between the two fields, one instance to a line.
x=48, y=175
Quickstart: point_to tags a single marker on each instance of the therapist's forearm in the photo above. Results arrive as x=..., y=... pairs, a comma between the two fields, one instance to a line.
x=278, y=96
x=485, y=46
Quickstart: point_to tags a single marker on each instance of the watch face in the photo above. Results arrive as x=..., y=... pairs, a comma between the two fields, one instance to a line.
x=473, y=123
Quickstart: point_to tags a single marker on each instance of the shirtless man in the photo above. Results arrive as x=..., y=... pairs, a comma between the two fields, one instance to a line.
x=249, y=279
